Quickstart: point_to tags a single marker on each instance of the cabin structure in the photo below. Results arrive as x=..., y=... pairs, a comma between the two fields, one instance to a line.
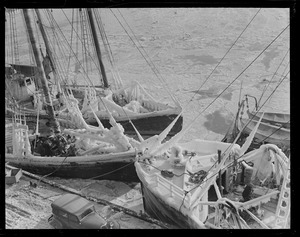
x=21, y=87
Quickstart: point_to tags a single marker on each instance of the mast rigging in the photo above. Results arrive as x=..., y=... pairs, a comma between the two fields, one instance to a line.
x=41, y=75
x=97, y=47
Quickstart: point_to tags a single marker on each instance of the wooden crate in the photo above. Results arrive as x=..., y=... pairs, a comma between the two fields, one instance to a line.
x=13, y=176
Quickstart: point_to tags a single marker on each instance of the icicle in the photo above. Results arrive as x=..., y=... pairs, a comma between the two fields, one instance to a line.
x=119, y=80
x=111, y=118
x=100, y=125
x=154, y=143
x=137, y=91
x=137, y=132
x=117, y=133
x=73, y=108
x=249, y=139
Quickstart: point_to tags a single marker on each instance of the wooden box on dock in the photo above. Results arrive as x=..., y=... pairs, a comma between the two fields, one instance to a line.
x=12, y=175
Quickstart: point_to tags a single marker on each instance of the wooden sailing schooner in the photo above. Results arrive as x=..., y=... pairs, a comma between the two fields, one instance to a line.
x=130, y=105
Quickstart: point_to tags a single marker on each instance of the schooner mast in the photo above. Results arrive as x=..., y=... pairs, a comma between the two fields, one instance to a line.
x=48, y=50
x=97, y=47
x=41, y=75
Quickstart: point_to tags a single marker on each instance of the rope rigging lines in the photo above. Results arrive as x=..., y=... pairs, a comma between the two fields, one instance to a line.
x=90, y=83
x=85, y=36
x=13, y=39
x=230, y=164
x=116, y=76
x=274, y=74
x=285, y=76
x=224, y=56
x=58, y=43
x=144, y=55
x=238, y=75
x=30, y=50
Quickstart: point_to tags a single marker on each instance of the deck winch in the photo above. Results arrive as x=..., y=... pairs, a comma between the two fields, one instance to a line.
x=197, y=177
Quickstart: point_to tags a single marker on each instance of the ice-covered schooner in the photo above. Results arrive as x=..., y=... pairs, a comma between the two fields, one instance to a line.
x=211, y=184
x=85, y=151
x=129, y=104
x=89, y=152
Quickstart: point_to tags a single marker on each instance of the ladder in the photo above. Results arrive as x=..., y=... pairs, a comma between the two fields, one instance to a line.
x=20, y=139
x=14, y=38
x=283, y=207
x=85, y=39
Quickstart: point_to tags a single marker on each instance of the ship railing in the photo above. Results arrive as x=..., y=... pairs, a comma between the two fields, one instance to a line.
x=8, y=138
x=20, y=140
x=173, y=190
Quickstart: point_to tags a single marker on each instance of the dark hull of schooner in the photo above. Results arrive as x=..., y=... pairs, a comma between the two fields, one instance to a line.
x=109, y=170
x=160, y=210
x=147, y=126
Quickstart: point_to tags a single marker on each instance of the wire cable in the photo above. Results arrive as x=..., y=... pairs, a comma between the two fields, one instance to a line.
x=224, y=56
x=98, y=176
x=150, y=63
x=265, y=88
x=241, y=73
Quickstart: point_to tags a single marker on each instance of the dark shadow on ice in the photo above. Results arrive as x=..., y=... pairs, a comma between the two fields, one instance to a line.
x=201, y=59
x=217, y=123
x=269, y=56
x=212, y=93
